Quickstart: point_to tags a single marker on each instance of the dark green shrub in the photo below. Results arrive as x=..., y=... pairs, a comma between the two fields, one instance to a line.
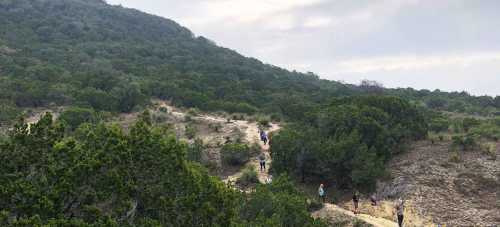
x=248, y=177
x=163, y=109
x=264, y=122
x=469, y=123
x=195, y=151
x=76, y=116
x=235, y=154
x=439, y=125
x=190, y=131
x=314, y=205
x=470, y=142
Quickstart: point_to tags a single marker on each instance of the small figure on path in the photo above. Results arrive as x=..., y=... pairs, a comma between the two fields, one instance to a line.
x=263, y=137
x=355, y=201
x=262, y=162
x=322, y=193
x=373, y=199
x=400, y=208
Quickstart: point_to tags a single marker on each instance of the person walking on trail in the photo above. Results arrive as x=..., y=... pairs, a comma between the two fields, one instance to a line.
x=355, y=201
x=262, y=162
x=263, y=137
x=322, y=193
x=400, y=208
x=373, y=199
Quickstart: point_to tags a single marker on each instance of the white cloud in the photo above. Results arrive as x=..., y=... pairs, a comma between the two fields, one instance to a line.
x=244, y=11
x=398, y=63
x=317, y=22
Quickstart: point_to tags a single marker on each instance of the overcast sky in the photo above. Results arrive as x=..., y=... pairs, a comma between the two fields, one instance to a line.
x=452, y=45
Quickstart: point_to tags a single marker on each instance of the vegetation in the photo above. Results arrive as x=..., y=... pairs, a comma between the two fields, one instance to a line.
x=94, y=59
x=74, y=117
x=348, y=141
x=235, y=154
x=101, y=176
x=92, y=55
x=190, y=131
x=248, y=177
x=195, y=151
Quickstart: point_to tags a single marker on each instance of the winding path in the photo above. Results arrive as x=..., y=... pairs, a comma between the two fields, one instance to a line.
x=252, y=136
x=251, y=131
x=329, y=209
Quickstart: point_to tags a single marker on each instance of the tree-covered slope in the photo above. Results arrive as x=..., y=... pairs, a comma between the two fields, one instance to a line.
x=90, y=54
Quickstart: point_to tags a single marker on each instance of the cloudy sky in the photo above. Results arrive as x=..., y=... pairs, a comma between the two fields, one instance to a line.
x=452, y=45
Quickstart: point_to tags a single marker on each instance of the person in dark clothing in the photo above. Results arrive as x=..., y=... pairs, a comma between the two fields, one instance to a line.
x=355, y=201
x=264, y=137
x=373, y=199
x=262, y=162
x=400, y=207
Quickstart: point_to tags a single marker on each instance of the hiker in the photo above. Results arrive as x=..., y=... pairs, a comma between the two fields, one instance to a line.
x=400, y=207
x=322, y=193
x=355, y=201
x=373, y=199
x=262, y=162
x=263, y=137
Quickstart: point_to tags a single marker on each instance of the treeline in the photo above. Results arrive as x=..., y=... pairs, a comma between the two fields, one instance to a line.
x=458, y=102
x=100, y=176
x=348, y=141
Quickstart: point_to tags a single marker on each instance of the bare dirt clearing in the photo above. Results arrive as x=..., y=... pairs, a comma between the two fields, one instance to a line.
x=464, y=193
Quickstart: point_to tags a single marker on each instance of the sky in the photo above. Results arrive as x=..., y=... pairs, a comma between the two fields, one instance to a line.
x=451, y=45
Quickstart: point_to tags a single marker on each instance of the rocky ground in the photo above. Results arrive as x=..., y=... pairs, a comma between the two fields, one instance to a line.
x=451, y=192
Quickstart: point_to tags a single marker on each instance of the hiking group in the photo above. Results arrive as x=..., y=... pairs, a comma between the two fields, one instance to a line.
x=399, y=205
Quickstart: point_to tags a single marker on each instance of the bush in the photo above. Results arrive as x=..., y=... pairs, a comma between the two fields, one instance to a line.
x=455, y=157
x=160, y=117
x=8, y=113
x=489, y=149
x=264, y=122
x=248, y=177
x=469, y=123
x=195, y=150
x=190, y=131
x=439, y=125
x=76, y=116
x=235, y=154
x=275, y=117
x=469, y=142
x=314, y=205
x=193, y=112
x=163, y=109
x=216, y=127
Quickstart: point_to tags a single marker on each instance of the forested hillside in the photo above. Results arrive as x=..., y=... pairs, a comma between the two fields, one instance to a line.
x=95, y=61
x=93, y=55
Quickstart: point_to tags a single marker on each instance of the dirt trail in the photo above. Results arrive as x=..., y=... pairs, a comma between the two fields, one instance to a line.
x=330, y=209
x=252, y=136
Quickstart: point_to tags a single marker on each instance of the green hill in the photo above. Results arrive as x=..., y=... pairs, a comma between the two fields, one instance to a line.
x=90, y=54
